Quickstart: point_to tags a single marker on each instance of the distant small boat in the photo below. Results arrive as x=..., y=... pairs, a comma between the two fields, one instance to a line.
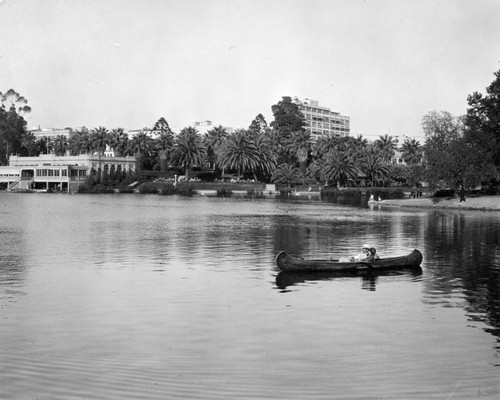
x=289, y=263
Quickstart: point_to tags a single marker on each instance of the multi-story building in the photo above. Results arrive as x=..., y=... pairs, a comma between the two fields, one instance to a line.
x=321, y=121
x=61, y=173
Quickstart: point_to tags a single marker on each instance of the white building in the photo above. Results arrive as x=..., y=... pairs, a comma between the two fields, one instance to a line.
x=62, y=173
x=52, y=133
x=204, y=126
x=397, y=158
x=321, y=121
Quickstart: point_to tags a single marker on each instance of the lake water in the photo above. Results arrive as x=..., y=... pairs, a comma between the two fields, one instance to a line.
x=166, y=297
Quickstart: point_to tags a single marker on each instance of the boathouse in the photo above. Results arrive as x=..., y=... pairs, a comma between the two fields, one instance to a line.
x=59, y=173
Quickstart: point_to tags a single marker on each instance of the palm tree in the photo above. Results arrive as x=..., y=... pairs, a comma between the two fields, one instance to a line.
x=360, y=141
x=28, y=141
x=80, y=142
x=267, y=159
x=278, y=144
x=339, y=167
x=324, y=145
x=141, y=145
x=188, y=150
x=411, y=151
x=299, y=144
x=98, y=141
x=213, y=140
x=286, y=173
x=60, y=145
x=387, y=145
x=375, y=167
x=118, y=141
x=44, y=144
x=357, y=148
x=162, y=146
x=239, y=152
x=314, y=169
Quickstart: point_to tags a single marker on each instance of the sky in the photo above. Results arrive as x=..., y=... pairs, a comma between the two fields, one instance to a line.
x=126, y=63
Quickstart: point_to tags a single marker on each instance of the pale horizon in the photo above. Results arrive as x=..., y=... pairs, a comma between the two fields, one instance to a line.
x=127, y=63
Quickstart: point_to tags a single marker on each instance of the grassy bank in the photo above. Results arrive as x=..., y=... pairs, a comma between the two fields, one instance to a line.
x=487, y=203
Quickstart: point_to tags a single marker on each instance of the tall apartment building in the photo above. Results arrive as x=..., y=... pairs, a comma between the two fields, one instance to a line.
x=321, y=121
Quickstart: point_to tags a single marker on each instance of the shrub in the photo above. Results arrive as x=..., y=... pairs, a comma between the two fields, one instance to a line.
x=148, y=187
x=167, y=188
x=185, y=189
x=444, y=193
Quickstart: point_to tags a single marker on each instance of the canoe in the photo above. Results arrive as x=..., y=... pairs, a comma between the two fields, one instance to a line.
x=287, y=262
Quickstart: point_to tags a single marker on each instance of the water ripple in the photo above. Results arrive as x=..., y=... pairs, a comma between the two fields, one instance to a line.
x=158, y=297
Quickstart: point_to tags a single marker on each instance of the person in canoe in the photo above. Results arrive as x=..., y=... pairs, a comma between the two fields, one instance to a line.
x=373, y=255
x=363, y=255
x=369, y=254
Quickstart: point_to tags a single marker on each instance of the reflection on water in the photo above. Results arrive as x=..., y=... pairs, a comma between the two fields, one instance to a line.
x=467, y=270
x=13, y=269
x=156, y=297
x=368, y=279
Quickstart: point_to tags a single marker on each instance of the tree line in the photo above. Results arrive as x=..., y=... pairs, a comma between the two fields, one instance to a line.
x=465, y=150
x=457, y=150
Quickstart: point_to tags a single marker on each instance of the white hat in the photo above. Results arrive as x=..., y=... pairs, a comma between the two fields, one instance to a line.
x=366, y=246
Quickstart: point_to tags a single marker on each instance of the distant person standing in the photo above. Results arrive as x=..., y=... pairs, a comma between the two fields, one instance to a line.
x=462, y=193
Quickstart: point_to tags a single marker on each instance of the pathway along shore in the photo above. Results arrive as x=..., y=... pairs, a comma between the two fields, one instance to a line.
x=486, y=203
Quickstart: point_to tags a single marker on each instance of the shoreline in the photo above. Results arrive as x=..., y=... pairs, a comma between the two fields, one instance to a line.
x=474, y=203
x=483, y=203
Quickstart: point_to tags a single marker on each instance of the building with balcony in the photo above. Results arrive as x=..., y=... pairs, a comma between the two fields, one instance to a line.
x=59, y=173
x=321, y=121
